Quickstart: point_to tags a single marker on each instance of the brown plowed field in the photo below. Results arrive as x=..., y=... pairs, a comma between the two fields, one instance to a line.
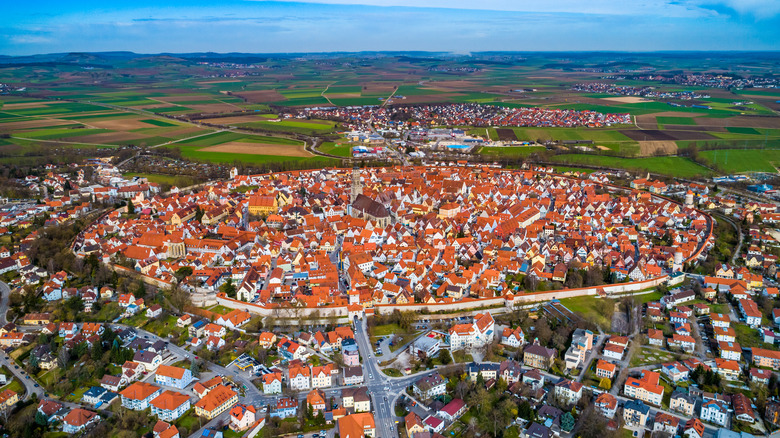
x=748, y=122
x=121, y=124
x=656, y=135
x=236, y=147
x=261, y=96
x=425, y=98
x=182, y=131
x=373, y=89
x=506, y=134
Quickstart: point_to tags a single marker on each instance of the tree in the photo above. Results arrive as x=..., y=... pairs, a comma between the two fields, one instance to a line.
x=525, y=411
x=567, y=422
x=543, y=332
x=63, y=357
x=445, y=357
x=74, y=304
x=228, y=289
x=184, y=271
x=605, y=383
x=130, y=207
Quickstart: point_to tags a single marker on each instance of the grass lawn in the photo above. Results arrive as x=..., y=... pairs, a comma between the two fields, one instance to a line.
x=672, y=166
x=646, y=356
x=164, y=326
x=222, y=310
x=108, y=312
x=155, y=178
x=76, y=396
x=460, y=356
x=136, y=320
x=564, y=169
x=392, y=372
x=188, y=420
x=385, y=330
x=14, y=385
x=719, y=308
x=342, y=150
x=49, y=377
x=747, y=337
x=587, y=307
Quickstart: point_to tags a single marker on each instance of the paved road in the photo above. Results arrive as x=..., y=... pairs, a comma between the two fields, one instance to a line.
x=5, y=360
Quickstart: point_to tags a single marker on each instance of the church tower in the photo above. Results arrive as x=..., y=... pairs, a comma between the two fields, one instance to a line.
x=357, y=186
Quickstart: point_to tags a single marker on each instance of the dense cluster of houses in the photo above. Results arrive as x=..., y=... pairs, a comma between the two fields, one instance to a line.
x=402, y=236
x=462, y=114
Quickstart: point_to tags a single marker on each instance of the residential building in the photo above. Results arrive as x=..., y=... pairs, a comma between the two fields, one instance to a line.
x=606, y=404
x=357, y=425
x=537, y=356
x=568, y=392
x=218, y=400
x=176, y=377
x=78, y=419
x=605, y=369
x=477, y=334
x=646, y=388
x=682, y=402
x=242, y=417
x=272, y=383
x=138, y=395
x=170, y=405
x=714, y=411
x=635, y=413
x=430, y=386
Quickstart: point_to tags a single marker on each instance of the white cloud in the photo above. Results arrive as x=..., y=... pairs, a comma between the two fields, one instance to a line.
x=662, y=8
x=601, y=7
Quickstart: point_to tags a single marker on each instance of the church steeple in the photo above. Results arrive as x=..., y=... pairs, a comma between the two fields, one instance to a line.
x=357, y=186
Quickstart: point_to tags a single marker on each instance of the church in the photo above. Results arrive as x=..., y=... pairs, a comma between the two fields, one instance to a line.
x=364, y=207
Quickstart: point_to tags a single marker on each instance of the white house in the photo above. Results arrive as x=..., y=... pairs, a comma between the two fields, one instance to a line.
x=714, y=411
x=477, y=334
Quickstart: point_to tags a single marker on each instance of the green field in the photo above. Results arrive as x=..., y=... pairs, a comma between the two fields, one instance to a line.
x=743, y=160
x=156, y=122
x=153, y=177
x=738, y=130
x=332, y=148
x=520, y=151
x=672, y=166
x=675, y=120
x=597, y=135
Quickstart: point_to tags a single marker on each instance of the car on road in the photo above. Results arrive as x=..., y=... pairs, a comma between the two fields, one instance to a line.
x=26, y=377
x=300, y=435
x=36, y=385
x=16, y=366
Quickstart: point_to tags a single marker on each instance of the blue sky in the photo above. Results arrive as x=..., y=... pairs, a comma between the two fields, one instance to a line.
x=461, y=26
